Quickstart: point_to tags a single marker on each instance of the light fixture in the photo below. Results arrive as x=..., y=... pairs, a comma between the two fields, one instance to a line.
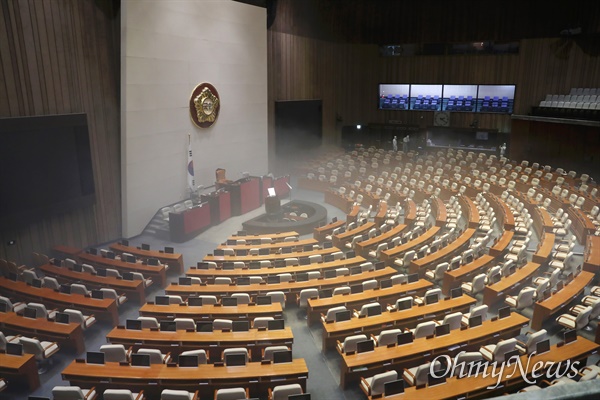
x=358, y=127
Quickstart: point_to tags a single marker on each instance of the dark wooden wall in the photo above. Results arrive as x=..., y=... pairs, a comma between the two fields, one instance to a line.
x=308, y=61
x=61, y=57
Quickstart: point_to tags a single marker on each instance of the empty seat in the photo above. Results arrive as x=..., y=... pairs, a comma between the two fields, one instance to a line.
x=374, y=385
x=121, y=394
x=73, y=393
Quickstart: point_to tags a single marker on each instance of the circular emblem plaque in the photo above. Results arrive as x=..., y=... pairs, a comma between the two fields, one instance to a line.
x=204, y=105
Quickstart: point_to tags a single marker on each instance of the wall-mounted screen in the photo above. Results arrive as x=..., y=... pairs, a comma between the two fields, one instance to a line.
x=425, y=97
x=459, y=98
x=496, y=98
x=394, y=96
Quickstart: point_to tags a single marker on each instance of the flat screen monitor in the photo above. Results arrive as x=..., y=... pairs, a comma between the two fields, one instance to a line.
x=504, y=312
x=411, y=278
x=511, y=354
x=168, y=326
x=334, y=220
x=379, y=265
x=284, y=356
x=286, y=250
x=3, y=307
x=404, y=338
x=133, y=325
x=241, y=252
x=364, y=346
x=102, y=272
x=385, y=283
x=328, y=258
x=188, y=360
x=15, y=349
x=161, y=300
x=279, y=263
x=13, y=276
x=228, y=265
x=30, y=312
x=194, y=301
x=570, y=336
x=240, y=326
x=128, y=276
x=343, y=316
x=276, y=324
x=542, y=346
x=130, y=259
x=264, y=300
x=442, y=330
x=307, y=247
x=263, y=251
x=202, y=265
x=351, y=254
x=301, y=277
x=229, y=301
x=304, y=260
x=404, y=304
x=231, y=242
x=62, y=318
x=325, y=293
x=204, y=326
x=94, y=357
x=435, y=380
x=154, y=262
x=232, y=360
x=140, y=360
x=374, y=310
x=243, y=280
x=330, y=273
x=36, y=283
x=77, y=267
x=432, y=298
x=327, y=245
x=356, y=288
x=185, y=281
x=125, y=242
x=273, y=279
x=254, y=265
x=456, y=292
x=111, y=255
x=393, y=387
x=66, y=289
x=219, y=252
x=475, y=320
x=97, y=294
x=357, y=269
x=145, y=246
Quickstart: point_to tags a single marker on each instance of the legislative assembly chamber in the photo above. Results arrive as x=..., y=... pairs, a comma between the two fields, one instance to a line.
x=299, y=199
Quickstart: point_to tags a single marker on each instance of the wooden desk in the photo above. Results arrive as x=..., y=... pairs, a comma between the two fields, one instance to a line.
x=334, y=331
x=457, y=246
x=581, y=225
x=379, y=218
x=559, y=301
x=213, y=342
x=67, y=335
x=502, y=211
x=389, y=255
x=275, y=237
x=338, y=200
x=441, y=214
x=502, y=244
x=353, y=214
x=465, y=273
x=174, y=260
x=210, y=274
x=591, y=257
x=410, y=211
x=134, y=290
x=68, y=251
x=206, y=377
x=341, y=238
x=355, y=300
x=511, y=380
x=470, y=208
x=420, y=350
x=544, y=250
x=289, y=288
x=270, y=257
x=509, y=285
x=20, y=369
x=273, y=247
x=363, y=247
x=157, y=273
x=321, y=232
x=211, y=312
x=103, y=309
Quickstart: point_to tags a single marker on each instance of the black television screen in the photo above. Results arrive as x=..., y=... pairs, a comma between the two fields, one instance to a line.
x=379, y=265
x=432, y=298
x=93, y=251
x=263, y=300
x=435, y=380
x=330, y=273
x=145, y=246
x=475, y=321
x=188, y=361
x=356, y=288
x=273, y=279
x=357, y=269
x=66, y=289
x=350, y=254
x=3, y=307
x=284, y=356
x=102, y=272
x=411, y=278
x=263, y=251
x=240, y=326
x=404, y=304
x=328, y=258
x=241, y=252
x=243, y=280
x=542, y=347
x=168, y=326
x=58, y=145
x=77, y=267
x=97, y=294
x=325, y=293
x=404, y=338
x=275, y=324
x=393, y=387
x=37, y=283
x=385, y=283
x=374, y=310
x=570, y=336
x=128, y=276
x=161, y=300
x=304, y=260
x=442, y=330
x=504, y=312
x=232, y=360
x=62, y=318
x=94, y=357
x=327, y=245
x=343, y=316
x=140, y=360
x=286, y=250
x=185, y=280
x=30, y=312
x=228, y=265
x=301, y=276
x=151, y=261
x=456, y=292
x=218, y=252
x=511, y=354
x=204, y=326
x=229, y=301
x=133, y=324
x=279, y=263
x=365, y=345
x=15, y=349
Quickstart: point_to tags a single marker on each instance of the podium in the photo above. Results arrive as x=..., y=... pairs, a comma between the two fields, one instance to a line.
x=220, y=205
x=245, y=195
x=187, y=224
